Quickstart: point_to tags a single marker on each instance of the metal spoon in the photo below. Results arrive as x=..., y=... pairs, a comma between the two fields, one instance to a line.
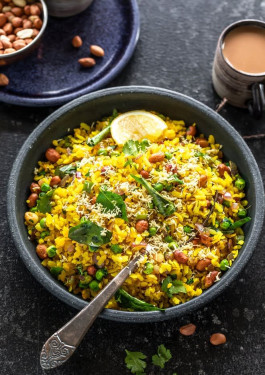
x=62, y=344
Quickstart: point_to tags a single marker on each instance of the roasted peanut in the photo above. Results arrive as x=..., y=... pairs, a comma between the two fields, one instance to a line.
x=35, y=10
x=210, y=278
x=37, y=23
x=52, y=155
x=91, y=270
x=18, y=12
x=16, y=21
x=2, y=32
x=19, y=44
x=8, y=28
x=87, y=62
x=77, y=41
x=180, y=257
x=159, y=156
x=202, y=181
x=27, y=24
x=35, y=188
x=141, y=226
x=12, y=38
x=218, y=339
x=191, y=130
x=97, y=51
x=41, y=250
x=9, y=50
x=202, y=264
x=222, y=168
x=32, y=199
x=6, y=43
x=188, y=329
x=171, y=168
x=144, y=173
x=55, y=181
x=205, y=239
x=202, y=142
x=27, y=10
x=3, y=19
x=4, y=81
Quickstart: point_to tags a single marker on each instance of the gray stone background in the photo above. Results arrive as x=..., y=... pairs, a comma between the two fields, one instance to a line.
x=175, y=51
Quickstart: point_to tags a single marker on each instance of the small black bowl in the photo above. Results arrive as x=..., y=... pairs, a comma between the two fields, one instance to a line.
x=95, y=106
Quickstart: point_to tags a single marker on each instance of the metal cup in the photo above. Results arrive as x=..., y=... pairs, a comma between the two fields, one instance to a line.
x=240, y=89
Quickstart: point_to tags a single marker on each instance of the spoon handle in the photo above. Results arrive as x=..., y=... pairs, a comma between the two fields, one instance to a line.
x=62, y=344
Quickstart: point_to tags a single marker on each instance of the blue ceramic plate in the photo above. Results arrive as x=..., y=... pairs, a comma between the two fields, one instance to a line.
x=53, y=76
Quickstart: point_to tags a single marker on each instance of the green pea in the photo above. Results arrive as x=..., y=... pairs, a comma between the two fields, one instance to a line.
x=45, y=187
x=168, y=239
x=44, y=234
x=51, y=251
x=84, y=284
x=158, y=186
x=101, y=273
x=94, y=285
x=224, y=265
x=34, y=209
x=116, y=249
x=226, y=203
x=242, y=212
x=152, y=231
x=55, y=271
x=240, y=183
x=225, y=224
x=102, y=151
x=173, y=245
x=141, y=216
x=187, y=229
x=43, y=222
x=148, y=268
x=168, y=155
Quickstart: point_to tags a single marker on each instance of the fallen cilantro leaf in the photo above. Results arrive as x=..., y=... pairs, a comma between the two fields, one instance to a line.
x=44, y=202
x=163, y=356
x=135, y=147
x=134, y=362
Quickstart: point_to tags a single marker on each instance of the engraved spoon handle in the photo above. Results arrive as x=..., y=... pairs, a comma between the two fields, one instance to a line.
x=62, y=344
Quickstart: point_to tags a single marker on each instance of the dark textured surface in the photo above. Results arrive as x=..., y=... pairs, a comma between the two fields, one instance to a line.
x=52, y=74
x=175, y=51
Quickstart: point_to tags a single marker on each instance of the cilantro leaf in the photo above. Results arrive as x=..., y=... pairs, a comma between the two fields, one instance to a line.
x=163, y=356
x=134, y=361
x=90, y=234
x=165, y=207
x=44, y=202
x=100, y=136
x=175, y=287
x=110, y=201
x=66, y=169
x=135, y=147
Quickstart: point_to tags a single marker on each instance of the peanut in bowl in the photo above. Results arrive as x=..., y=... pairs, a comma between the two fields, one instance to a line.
x=174, y=106
x=22, y=24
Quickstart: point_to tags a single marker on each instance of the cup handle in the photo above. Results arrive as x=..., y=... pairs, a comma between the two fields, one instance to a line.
x=256, y=106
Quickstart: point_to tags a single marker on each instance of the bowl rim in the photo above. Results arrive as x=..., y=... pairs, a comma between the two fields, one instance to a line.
x=24, y=50
x=59, y=290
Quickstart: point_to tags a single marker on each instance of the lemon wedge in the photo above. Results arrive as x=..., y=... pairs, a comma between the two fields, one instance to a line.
x=137, y=125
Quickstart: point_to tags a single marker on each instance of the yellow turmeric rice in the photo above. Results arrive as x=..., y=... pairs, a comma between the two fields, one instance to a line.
x=94, y=206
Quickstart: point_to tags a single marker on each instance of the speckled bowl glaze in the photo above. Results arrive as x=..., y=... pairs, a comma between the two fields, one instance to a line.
x=24, y=52
x=94, y=106
x=66, y=8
